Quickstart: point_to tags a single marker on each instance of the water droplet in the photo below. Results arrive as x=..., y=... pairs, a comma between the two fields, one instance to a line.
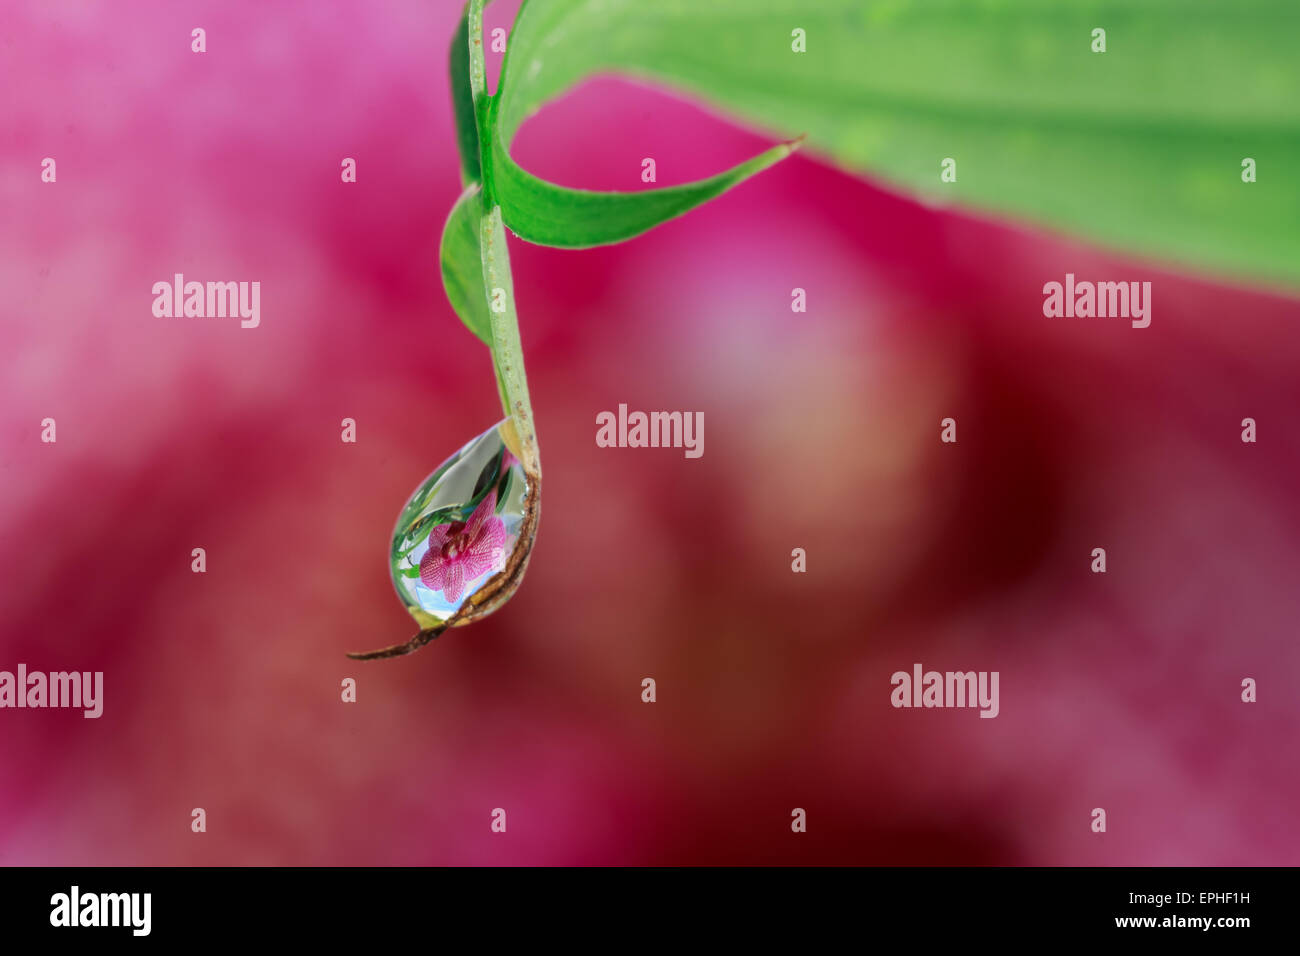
x=462, y=540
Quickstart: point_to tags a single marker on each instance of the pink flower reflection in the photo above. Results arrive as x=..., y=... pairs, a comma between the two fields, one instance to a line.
x=461, y=551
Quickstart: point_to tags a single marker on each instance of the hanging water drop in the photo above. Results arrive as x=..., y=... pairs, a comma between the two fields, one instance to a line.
x=462, y=540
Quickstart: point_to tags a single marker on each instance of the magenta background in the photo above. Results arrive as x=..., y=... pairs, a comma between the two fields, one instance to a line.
x=821, y=431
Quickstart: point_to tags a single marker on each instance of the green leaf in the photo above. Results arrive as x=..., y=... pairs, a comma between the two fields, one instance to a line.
x=1139, y=147
x=462, y=101
x=462, y=269
x=543, y=212
x=577, y=218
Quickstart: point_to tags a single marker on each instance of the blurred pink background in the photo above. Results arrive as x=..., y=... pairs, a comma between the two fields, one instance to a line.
x=1119, y=691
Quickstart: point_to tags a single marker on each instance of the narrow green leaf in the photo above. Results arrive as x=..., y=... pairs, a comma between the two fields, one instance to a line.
x=1139, y=147
x=462, y=269
x=543, y=212
x=577, y=218
x=462, y=101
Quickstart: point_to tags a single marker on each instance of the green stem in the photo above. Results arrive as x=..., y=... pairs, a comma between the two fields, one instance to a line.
x=507, y=350
x=477, y=74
